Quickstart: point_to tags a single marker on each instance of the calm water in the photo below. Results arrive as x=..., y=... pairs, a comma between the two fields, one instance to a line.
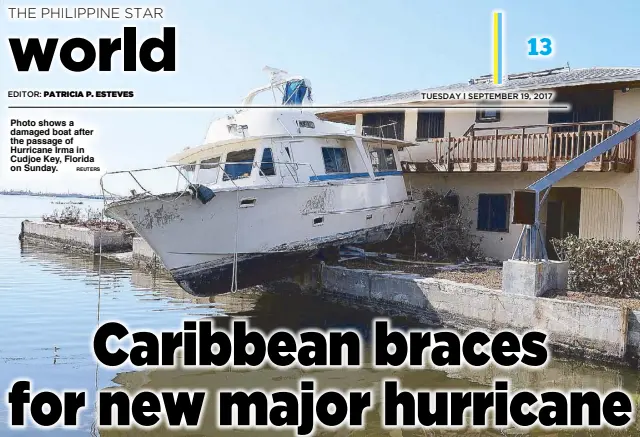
x=49, y=309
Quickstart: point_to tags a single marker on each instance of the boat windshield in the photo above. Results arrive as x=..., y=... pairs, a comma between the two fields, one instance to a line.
x=383, y=159
x=238, y=164
x=189, y=171
x=208, y=173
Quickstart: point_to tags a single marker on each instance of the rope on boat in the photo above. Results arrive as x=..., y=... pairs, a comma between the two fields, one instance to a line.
x=94, y=430
x=395, y=221
x=234, y=271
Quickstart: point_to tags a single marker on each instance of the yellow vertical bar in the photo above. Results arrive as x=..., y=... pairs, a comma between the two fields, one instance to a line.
x=496, y=48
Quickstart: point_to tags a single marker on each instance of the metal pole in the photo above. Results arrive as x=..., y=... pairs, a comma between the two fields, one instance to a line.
x=536, y=226
x=517, y=253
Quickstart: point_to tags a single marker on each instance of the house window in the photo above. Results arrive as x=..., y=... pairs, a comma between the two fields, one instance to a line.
x=383, y=124
x=383, y=160
x=586, y=106
x=238, y=164
x=487, y=115
x=430, y=124
x=209, y=168
x=493, y=212
x=266, y=166
x=335, y=160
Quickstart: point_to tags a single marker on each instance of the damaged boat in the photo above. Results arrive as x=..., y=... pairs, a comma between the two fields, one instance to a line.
x=268, y=190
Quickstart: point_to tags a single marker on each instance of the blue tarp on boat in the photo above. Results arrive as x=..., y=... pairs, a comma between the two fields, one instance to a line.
x=295, y=91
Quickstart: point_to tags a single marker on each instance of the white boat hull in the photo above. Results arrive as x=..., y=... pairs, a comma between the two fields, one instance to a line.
x=271, y=229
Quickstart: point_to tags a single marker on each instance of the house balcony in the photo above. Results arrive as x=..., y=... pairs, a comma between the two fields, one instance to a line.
x=533, y=148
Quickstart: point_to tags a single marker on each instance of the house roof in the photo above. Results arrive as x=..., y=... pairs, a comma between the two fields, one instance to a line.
x=535, y=80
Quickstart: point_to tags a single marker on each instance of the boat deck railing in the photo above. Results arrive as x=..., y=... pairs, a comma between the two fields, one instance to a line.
x=386, y=131
x=143, y=178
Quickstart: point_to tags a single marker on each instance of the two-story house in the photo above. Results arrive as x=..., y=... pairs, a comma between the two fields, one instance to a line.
x=484, y=154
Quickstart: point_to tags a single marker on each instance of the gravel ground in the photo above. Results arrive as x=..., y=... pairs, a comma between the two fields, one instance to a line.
x=596, y=299
x=485, y=278
x=489, y=277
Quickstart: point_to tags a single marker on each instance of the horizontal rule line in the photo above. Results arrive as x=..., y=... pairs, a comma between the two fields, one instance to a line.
x=380, y=108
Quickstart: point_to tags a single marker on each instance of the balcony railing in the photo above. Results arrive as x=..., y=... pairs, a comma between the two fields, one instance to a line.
x=528, y=148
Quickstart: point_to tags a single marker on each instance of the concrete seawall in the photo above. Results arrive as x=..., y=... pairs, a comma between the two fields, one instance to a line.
x=144, y=255
x=574, y=328
x=77, y=237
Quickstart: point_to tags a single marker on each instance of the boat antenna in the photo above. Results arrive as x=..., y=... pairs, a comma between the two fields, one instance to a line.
x=275, y=75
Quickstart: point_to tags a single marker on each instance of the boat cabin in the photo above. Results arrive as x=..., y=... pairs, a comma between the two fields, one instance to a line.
x=287, y=148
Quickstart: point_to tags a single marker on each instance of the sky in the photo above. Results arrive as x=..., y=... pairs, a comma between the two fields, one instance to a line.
x=348, y=49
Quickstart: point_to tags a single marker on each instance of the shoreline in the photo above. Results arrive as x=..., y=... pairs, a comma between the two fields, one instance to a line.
x=53, y=195
x=578, y=329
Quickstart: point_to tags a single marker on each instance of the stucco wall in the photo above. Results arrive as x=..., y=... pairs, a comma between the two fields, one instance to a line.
x=457, y=121
x=501, y=244
x=626, y=108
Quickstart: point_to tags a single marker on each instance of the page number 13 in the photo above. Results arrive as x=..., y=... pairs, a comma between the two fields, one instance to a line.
x=540, y=46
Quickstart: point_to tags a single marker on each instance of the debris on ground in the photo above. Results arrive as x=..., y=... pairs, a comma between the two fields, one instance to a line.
x=442, y=229
x=486, y=273
x=489, y=278
x=89, y=218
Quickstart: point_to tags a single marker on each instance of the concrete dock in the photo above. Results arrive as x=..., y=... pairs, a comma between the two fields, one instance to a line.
x=600, y=332
x=77, y=237
x=575, y=328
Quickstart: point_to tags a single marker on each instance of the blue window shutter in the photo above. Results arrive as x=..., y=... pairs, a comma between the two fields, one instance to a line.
x=484, y=210
x=498, y=213
x=493, y=212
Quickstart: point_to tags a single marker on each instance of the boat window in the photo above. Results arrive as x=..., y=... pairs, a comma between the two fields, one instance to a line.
x=189, y=171
x=266, y=166
x=383, y=160
x=306, y=123
x=209, y=169
x=335, y=160
x=238, y=164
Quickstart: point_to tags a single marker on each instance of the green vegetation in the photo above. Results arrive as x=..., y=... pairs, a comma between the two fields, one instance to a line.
x=604, y=267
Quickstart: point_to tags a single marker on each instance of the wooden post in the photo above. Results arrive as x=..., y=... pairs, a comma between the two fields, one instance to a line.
x=448, y=150
x=473, y=152
x=601, y=157
x=578, y=145
x=495, y=153
x=522, y=148
x=549, y=147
